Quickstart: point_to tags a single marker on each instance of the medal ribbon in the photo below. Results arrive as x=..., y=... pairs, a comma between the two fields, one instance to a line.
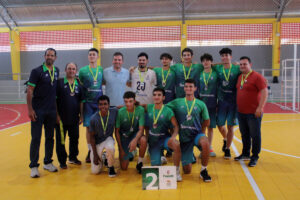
x=227, y=76
x=206, y=81
x=132, y=120
x=163, y=77
x=51, y=74
x=155, y=119
x=72, y=88
x=244, y=78
x=104, y=127
x=94, y=76
x=142, y=77
x=186, y=77
x=187, y=106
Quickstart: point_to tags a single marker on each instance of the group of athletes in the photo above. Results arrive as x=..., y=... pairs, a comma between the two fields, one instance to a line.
x=184, y=99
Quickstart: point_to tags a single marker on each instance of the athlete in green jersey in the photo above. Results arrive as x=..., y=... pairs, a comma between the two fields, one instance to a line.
x=160, y=117
x=186, y=70
x=208, y=94
x=193, y=118
x=166, y=77
x=91, y=77
x=130, y=131
x=227, y=109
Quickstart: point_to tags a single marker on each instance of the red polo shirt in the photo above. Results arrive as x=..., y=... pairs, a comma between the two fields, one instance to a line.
x=248, y=97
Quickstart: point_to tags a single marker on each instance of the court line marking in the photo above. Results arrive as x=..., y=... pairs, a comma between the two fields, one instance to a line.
x=17, y=133
x=280, y=106
x=12, y=121
x=13, y=126
x=267, y=150
x=250, y=178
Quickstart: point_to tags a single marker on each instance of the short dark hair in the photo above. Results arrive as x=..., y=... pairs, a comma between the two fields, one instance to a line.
x=103, y=98
x=128, y=95
x=159, y=89
x=50, y=49
x=225, y=51
x=166, y=55
x=94, y=49
x=246, y=57
x=206, y=56
x=187, y=50
x=118, y=54
x=71, y=63
x=190, y=81
x=143, y=54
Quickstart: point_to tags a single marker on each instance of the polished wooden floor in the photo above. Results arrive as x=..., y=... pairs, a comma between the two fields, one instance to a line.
x=276, y=176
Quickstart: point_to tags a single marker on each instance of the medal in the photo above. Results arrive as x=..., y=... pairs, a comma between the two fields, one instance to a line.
x=72, y=88
x=205, y=88
x=155, y=118
x=51, y=74
x=189, y=110
x=132, y=120
x=94, y=76
x=206, y=80
x=164, y=80
x=188, y=75
x=72, y=93
x=227, y=76
x=243, y=79
x=142, y=77
x=104, y=126
x=225, y=83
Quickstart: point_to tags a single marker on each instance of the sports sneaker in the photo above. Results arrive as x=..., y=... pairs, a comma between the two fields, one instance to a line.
x=34, y=172
x=252, y=162
x=104, y=159
x=241, y=157
x=212, y=153
x=50, y=167
x=204, y=175
x=178, y=177
x=63, y=166
x=139, y=167
x=75, y=161
x=224, y=145
x=227, y=154
x=88, y=158
x=111, y=172
x=163, y=160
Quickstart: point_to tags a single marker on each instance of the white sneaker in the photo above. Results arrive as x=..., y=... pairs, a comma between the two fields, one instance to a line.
x=34, y=172
x=178, y=177
x=163, y=160
x=50, y=167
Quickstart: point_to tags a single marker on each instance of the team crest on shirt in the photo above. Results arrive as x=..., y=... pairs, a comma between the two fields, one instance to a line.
x=46, y=75
x=182, y=106
x=212, y=78
x=65, y=86
x=125, y=120
x=137, y=118
x=147, y=78
x=162, y=116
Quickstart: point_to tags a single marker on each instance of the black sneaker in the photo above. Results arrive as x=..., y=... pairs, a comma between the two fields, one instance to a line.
x=242, y=157
x=227, y=154
x=139, y=167
x=75, y=161
x=88, y=159
x=204, y=175
x=194, y=159
x=252, y=162
x=104, y=160
x=63, y=166
x=111, y=172
x=224, y=145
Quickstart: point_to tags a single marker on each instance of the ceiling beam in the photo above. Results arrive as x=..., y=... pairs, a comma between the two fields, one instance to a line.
x=91, y=13
x=283, y=4
x=6, y=17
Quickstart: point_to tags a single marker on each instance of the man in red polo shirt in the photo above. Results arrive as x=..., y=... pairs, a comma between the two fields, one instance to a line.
x=252, y=94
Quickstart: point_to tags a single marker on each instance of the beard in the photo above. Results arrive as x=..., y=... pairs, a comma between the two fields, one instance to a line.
x=142, y=66
x=49, y=62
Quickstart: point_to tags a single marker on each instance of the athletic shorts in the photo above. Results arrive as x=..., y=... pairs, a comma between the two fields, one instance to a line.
x=125, y=142
x=155, y=151
x=187, y=149
x=212, y=116
x=227, y=112
x=88, y=110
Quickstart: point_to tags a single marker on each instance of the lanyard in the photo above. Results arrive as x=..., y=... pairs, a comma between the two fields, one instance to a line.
x=132, y=120
x=72, y=88
x=94, y=77
x=164, y=81
x=228, y=75
x=51, y=74
x=186, y=77
x=206, y=81
x=187, y=106
x=244, y=78
x=104, y=127
x=155, y=119
x=142, y=77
